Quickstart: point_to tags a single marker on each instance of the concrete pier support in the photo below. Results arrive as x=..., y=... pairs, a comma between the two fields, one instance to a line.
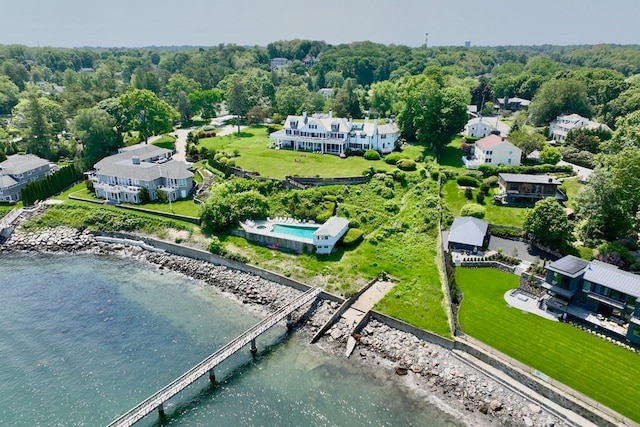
x=212, y=375
x=254, y=349
x=161, y=410
x=289, y=322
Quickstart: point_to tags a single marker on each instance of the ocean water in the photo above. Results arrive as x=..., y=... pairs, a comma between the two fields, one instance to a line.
x=85, y=338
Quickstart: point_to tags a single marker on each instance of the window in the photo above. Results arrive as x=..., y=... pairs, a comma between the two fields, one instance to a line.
x=489, y=152
x=487, y=161
x=383, y=136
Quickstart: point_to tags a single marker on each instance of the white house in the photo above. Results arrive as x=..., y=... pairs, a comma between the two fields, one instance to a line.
x=326, y=237
x=120, y=178
x=17, y=171
x=479, y=127
x=328, y=134
x=560, y=127
x=493, y=150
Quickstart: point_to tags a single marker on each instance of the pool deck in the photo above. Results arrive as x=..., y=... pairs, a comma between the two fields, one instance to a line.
x=264, y=227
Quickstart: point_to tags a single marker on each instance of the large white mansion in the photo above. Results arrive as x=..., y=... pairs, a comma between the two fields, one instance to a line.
x=328, y=134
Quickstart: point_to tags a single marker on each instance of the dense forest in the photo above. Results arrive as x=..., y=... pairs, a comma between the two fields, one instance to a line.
x=85, y=103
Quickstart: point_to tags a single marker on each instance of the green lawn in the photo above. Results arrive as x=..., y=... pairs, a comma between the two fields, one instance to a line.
x=166, y=141
x=595, y=367
x=254, y=155
x=184, y=207
x=496, y=214
x=451, y=155
x=571, y=186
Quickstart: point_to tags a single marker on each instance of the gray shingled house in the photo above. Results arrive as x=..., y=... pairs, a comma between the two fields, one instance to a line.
x=120, y=178
x=17, y=171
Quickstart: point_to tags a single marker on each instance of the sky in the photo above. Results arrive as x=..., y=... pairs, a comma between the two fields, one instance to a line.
x=137, y=23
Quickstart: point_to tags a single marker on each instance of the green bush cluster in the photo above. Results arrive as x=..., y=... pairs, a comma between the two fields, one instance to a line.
x=352, y=237
x=473, y=209
x=393, y=158
x=537, y=169
x=406, y=164
x=51, y=184
x=372, y=155
x=224, y=208
x=506, y=231
x=467, y=181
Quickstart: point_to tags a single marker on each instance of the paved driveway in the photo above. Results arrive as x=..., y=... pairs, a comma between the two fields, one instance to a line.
x=524, y=251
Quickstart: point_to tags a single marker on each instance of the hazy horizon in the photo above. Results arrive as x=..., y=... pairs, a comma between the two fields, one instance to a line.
x=203, y=23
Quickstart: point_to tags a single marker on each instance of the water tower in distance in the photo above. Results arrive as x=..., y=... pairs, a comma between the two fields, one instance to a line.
x=467, y=44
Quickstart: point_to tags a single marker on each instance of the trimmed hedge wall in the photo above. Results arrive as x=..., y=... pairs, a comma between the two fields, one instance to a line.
x=51, y=184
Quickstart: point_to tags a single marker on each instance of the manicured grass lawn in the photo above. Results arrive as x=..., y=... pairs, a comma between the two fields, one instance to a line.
x=595, y=367
x=254, y=154
x=451, y=155
x=166, y=141
x=184, y=207
x=496, y=214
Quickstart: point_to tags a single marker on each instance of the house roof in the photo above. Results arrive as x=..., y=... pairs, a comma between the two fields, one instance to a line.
x=6, y=181
x=492, y=122
x=123, y=166
x=143, y=152
x=21, y=163
x=468, y=231
x=344, y=126
x=610, y=276
x=515, y=99
x=569, y=265
x=492, y=141
x=528, y=179
x=332, y=226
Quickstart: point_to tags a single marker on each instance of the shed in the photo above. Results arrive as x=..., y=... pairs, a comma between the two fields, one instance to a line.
x=468, y=234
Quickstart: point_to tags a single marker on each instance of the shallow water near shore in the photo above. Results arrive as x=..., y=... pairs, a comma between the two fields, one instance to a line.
x=84, y=338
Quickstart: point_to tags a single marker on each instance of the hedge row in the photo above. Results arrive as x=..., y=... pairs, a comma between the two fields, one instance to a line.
x=51, y=184
x=537, y=169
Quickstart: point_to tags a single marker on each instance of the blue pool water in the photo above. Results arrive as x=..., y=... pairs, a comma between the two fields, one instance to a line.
x=294, y=230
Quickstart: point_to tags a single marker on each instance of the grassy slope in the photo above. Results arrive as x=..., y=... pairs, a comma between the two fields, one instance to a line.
x=605, y=372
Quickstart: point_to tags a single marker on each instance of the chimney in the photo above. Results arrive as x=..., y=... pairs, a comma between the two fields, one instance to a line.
x=304, y=117
x=135, y=160
x=330, y=114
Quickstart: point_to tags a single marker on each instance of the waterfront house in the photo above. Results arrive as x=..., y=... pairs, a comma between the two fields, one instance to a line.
x=524, y=188
x=468, y=234
x=333, y=135
x=17, y=171
x=562, y=125
x=326, y=237
x=120, y=178
x=493, y=150
x=595, y=293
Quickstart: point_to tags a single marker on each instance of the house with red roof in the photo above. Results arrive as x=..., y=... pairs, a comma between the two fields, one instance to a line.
x=493, y=150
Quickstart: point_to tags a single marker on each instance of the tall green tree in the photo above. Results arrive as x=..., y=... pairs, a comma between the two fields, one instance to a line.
x=557, y=97
x=96, y=129
x=146, y=113
x=205, y=102
x=528, y=142
x=383, y=96
x=291, y=99
x=547, y=222
x=8, y=95
x=431, y=112
x=237, y=100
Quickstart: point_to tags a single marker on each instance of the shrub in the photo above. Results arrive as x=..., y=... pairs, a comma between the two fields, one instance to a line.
x=372, y=155
x=216, y=247
x=162, y=196
x=480, y=197
x=491, y=181
x=473, y=209
x=393, y=158
x=89, y=184
x=506, y=231
x=406, y=164
x=468, y=193
x=329, y=198
x=467, y=181
x=352, y=237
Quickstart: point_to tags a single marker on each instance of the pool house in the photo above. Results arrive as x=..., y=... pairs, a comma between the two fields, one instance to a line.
x=296, y=235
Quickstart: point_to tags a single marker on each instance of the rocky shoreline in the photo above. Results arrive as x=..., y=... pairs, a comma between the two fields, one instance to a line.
x=432, y=372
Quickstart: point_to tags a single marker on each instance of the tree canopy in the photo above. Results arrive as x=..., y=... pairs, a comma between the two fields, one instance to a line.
x=547, y=222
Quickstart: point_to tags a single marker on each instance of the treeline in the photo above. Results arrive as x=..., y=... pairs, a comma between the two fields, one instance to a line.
x=52, y=184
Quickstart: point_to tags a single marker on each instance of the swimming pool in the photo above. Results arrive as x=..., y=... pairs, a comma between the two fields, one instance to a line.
x=294, y=230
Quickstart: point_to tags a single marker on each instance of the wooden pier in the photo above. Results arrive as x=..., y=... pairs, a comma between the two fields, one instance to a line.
x=158, y=399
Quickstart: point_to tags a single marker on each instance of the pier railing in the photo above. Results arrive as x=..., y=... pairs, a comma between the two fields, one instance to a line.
x=160, y=397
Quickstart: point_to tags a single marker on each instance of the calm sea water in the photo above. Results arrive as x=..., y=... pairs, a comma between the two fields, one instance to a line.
x=85, y=338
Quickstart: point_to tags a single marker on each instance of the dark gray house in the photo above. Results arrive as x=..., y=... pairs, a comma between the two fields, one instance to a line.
x=17, y=171
x=468, y=234
x=527, y=189
x=596, y=293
